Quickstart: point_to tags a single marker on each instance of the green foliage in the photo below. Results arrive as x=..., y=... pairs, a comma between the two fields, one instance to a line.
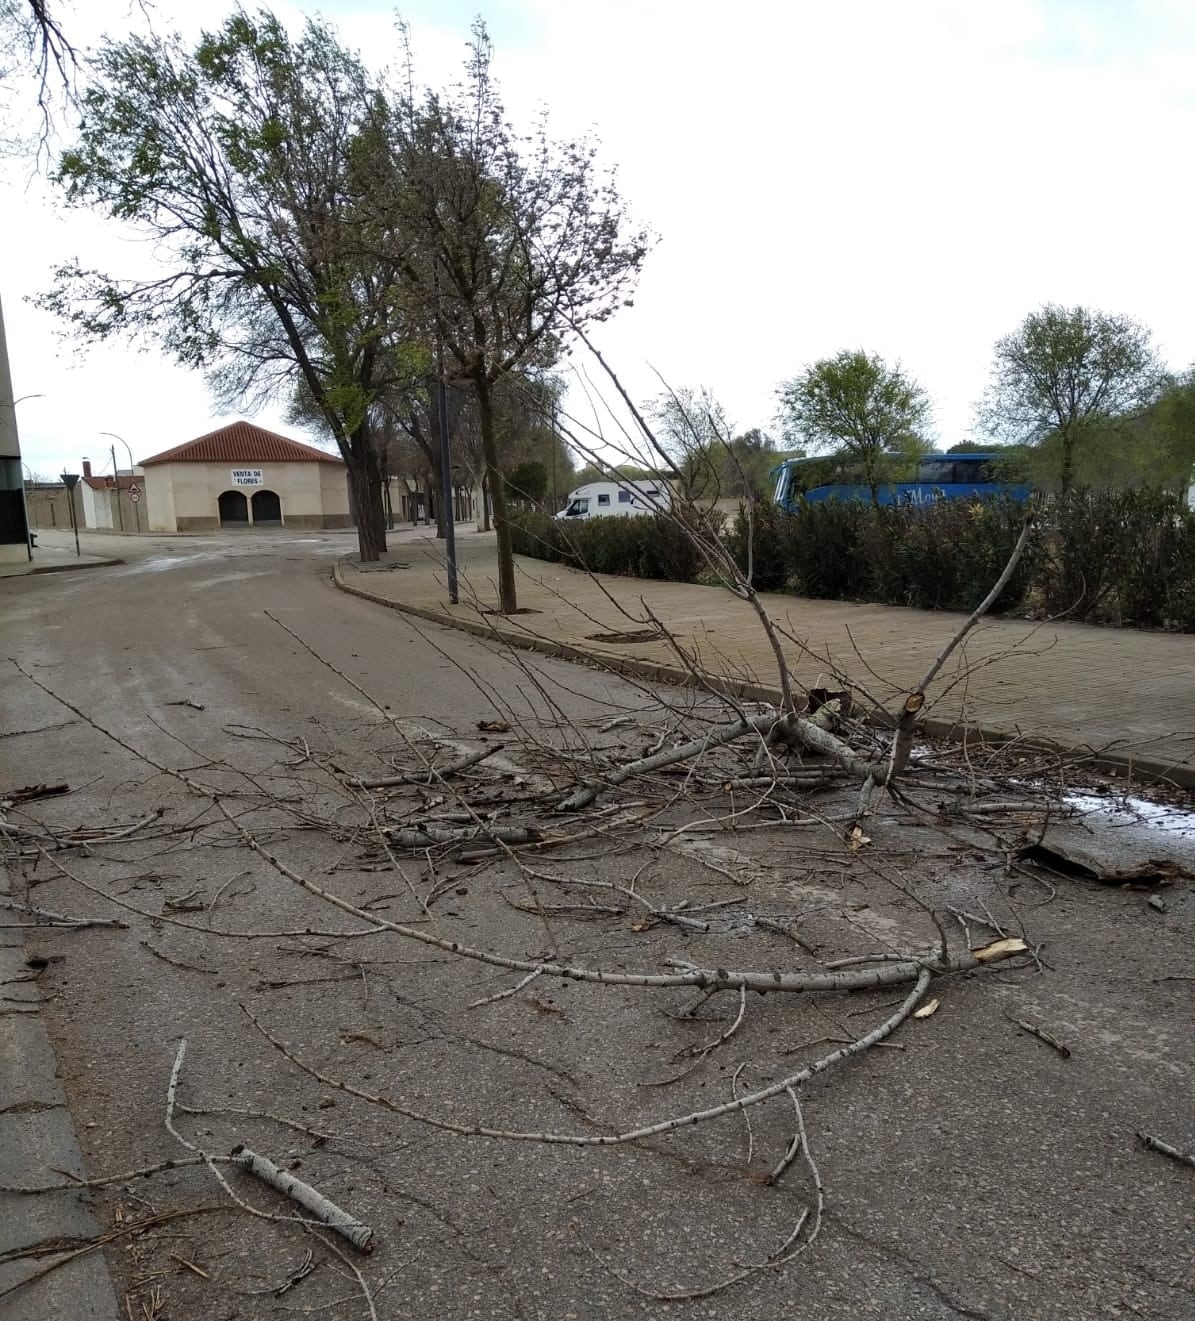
x=1111, y=557
x=759, y=541
x=1120, y=557
x=1066, y=372
x=321, y=226
x=1123, y=557
x=645, y=547
x=858, y=406
x=240, y=157
x=529, y=481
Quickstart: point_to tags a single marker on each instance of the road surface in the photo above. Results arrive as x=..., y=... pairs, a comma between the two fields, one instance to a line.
x=970, y=1170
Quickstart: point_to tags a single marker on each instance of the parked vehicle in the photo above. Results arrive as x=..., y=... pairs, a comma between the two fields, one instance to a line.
x=939, y=477
x=621, y=499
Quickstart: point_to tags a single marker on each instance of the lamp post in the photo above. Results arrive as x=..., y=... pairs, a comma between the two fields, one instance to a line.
x=70, y=480
x=447, y=494
x=132, y=465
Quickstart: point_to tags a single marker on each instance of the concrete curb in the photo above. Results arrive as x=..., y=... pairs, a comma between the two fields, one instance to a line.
x=61, y=568
x=1101, y=760
x=37, y=1134
x=71, y=568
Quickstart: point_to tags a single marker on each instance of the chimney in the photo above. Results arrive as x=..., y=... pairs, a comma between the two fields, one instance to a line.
x=86, y=467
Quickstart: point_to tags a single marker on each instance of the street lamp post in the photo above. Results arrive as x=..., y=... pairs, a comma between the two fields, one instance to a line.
x=70, y=480
x=132, y=465
x=116, y=481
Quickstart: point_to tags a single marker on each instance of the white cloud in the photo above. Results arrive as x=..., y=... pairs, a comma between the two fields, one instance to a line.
x=910, y=178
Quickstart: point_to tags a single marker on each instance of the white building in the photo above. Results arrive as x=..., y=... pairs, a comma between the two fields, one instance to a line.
x=242, y=476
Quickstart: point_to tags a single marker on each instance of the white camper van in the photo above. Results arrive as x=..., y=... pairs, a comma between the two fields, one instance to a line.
x=617, y=500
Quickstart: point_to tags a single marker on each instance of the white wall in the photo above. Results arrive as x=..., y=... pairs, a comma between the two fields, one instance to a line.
x=185, y=496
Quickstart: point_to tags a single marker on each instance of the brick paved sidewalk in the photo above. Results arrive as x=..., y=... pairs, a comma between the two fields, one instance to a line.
x=1126, y=695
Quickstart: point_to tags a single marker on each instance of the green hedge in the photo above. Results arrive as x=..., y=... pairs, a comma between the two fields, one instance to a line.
x=652, y=546
x=1116, y=557
x=1113, y=557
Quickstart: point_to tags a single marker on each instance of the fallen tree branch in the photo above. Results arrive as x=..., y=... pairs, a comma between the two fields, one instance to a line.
x=313, y=1202
x=69, y=1255
x=46, y=917
x=852, y=1048
x=328, y=1214
x=432, y=774
x=1041, y=1034
x=716, y=738
x=430, y=835
x=1152, y=1143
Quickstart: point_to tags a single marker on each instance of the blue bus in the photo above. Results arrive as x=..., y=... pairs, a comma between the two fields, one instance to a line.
x=939, y=477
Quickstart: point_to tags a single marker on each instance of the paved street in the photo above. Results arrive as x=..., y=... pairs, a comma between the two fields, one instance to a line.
x=970, y=1170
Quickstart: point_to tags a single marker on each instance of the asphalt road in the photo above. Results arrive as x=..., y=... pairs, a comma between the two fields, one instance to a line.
x=969, y=1169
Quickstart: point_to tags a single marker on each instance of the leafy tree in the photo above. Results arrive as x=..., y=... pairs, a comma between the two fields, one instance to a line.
x=1063, y=374
x=857, y=406
x=528, y=482
x=1173, y=418
x=688, y=419
x=241, y=160
x=520, y=244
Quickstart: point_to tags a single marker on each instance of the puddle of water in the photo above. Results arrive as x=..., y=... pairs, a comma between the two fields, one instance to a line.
x=1175, y=822
x=159, y=563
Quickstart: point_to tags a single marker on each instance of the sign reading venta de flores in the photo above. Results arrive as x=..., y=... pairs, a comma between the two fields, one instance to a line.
x=246, y=477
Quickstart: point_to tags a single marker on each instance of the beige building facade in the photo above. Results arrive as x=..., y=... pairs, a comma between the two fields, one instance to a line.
x=244, y=476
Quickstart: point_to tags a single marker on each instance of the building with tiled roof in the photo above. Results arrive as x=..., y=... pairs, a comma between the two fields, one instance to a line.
x=242, y=442
x=244, y=476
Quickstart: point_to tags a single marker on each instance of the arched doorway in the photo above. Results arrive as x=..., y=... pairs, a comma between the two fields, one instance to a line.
x=234, y=509
x=267, y=508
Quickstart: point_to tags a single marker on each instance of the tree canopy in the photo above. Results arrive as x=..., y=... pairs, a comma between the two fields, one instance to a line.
x=323, y=230
x=713, y=462
x=1064, y=375
x=854, y=404
x=241, y=159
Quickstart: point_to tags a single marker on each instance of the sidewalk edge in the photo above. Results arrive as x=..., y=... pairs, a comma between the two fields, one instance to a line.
x=1102, y=760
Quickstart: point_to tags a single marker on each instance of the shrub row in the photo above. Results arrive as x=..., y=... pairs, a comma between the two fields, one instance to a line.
x=1117, y=557
x=646, y=547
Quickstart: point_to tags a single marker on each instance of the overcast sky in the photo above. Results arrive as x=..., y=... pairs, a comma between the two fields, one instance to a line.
x=907, y=176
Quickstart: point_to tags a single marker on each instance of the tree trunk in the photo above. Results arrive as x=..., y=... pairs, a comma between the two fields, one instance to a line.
x=1068, y=459
x=508, y=601
x=365, y=483
x=433, y=451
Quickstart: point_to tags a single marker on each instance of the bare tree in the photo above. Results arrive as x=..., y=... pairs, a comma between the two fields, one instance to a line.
x=516, y=244
x=32, y=39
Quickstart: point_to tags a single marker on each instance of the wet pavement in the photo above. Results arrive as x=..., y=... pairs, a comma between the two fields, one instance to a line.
x=970, y=1170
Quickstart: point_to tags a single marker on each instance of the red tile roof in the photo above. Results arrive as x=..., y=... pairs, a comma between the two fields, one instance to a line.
x=105, y=483
x=242, y=442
